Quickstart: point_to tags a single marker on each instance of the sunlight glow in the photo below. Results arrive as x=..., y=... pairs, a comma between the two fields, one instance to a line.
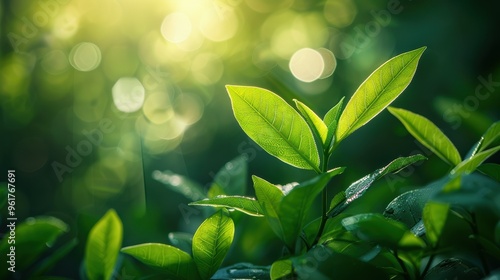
x=218, y=25
x=176, y=27
x=128, y=94
x=340, y=13
x=309, y=65
x=157, y=108
x=85, y=57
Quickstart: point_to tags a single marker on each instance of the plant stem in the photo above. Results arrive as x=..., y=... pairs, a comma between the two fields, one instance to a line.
x=429, y=263
x=475, y=231
x=402, y=264
x=324, y=199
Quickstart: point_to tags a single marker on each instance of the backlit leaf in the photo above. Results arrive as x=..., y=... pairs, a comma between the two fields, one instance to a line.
x=315, y=122
x=211, y=243
x=247, y=205
x=491, y=137
x=428, y=134
x=434, y=217
x=470, y=165
x=331, y=120
x=384, y=85
x=274, y=125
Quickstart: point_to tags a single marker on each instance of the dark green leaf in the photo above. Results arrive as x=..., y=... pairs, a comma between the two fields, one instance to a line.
x=490, y=169
x=282, y=269
x=428, y=134
x=331, y=120
x=384, y=85
x=3, y=195
x=49, y=262
x=247, y=205
x=33, y=237
x=359, y=188
x=180, y=184
x=488, y=246
x=231, y=179
x=314, y=122
x=491, y=137
x=182, y=240
x=386, y=232
x=497, y=233
x=175, y=262
x=454, y=269
x=322, y=263
x=434, y=217
x=103, y=245
x=211, y=243
x=273, y=124
x=469, y=165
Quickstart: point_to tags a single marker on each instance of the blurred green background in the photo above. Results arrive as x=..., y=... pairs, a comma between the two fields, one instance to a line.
x=97, y=95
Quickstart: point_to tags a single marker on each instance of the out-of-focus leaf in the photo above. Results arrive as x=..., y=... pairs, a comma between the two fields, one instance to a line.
x=386, y=232
x=3, y=195
x=247, y=205
x=453, y=185
x=33, y=237
x=103, y=246
x=282, y=269
x=359, y=188
x=231, y=179
x=49, y=262
x=243, y=271
x=211, y=243
x=428, y=134
x=315, y=123
x=434, y=218
x=469, y=165
x=384, y=85
x=491, y=137
x=490, y=169
x=274, y=125
x=454, y=269
x=171, y=260
x=331, y=120
x=180, y=184
x=182, y=240
x=322, y=263
x=491, y=248
x=497, y=233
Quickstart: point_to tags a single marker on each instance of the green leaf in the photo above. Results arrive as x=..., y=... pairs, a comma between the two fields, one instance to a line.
x=434, y=216
x=359, y=188
x=274, y=125
x=428, y=134
x=211, y=243
x=269, y=197
x=169, y=259
x=282, y=269
x=469, y=165
x=247, y=205
x=181, y=240
x=33, y=237
x=490, y=169
x=231, y=179
x=180, y=184
x=454, y=269
x=384, y=85
x=331, y=119
x=488, y=246
x=385, y=232
x=314, y=122
x=295, y=204
x=491, y=136
x=103, y=245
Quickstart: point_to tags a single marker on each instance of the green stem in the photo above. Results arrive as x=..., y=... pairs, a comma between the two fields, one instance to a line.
x=403, y=266
x=429, y=263
x=324, y=199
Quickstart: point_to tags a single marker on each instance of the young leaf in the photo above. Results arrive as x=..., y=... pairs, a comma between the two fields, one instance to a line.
x=103, y=245
x=384, y=85
x=491, y=136
x=269, y=197
x=434, y=217
x=358, y=188
x=231, y=179
x=169, y=259
x=273, y=124
x=282, y=269
x=331, y=120
x=182, y=240
x=295, y=204
x=33, y=238
x=314, y=122
x=211, y=243
x=490, y=169
x=469, y=165
x=180, y=184
x=428, y=134
x=385, y=232
x=247, y=205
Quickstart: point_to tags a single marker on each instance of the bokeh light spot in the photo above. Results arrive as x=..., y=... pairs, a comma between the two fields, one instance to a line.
x=176, y=27
x=308, y=65
x=157, y=108
x=340, y=13
x=55, y=62
x=85, y=57
x=207, y=68
x=128, y=94
x=218, y=25
x=189, y=108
